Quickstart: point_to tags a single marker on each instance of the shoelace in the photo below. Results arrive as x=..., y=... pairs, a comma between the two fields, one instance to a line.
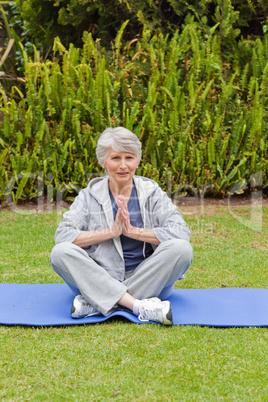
x=153, y=314
x=83, y=308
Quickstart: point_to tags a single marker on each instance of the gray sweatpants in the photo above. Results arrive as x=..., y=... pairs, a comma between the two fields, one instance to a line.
x=155, y=276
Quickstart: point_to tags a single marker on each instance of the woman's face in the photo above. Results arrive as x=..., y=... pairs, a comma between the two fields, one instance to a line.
x=121, y=167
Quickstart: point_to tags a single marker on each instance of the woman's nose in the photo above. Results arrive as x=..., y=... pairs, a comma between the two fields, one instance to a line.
x=123, y=163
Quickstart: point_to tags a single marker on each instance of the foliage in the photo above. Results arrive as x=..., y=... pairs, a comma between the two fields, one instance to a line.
x=9, y=54
x=203, y=122
x=5, y=53
x=43, y=20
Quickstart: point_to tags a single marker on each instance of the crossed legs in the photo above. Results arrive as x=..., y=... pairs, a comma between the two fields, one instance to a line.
x=154, y=277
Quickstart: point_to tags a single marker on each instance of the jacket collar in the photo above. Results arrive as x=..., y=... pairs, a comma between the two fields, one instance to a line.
x=99, y=189
x=144, y=187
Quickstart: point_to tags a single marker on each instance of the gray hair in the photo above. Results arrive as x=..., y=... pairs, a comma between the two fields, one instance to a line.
x=120, y=139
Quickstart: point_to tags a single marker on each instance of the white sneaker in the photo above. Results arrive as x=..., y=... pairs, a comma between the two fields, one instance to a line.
x=81, y=308
x=156, y=310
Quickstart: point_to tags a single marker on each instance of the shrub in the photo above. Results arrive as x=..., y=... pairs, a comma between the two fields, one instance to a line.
x=43, y=20
x=203, y=122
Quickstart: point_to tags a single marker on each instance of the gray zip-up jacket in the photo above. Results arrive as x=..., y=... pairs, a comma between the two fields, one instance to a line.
x=92, y=210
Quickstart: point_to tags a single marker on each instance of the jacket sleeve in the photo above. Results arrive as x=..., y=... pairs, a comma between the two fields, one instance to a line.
x=167, y=221
x=74, y=221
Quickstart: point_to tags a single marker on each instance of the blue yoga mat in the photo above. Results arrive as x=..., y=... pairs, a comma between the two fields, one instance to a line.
x=50, y=305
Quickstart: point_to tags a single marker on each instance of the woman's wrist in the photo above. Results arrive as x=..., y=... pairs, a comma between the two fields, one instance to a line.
x=134, y=233
x=146, y=235
x=142, y=234
x=140, y=231
x=115, y=231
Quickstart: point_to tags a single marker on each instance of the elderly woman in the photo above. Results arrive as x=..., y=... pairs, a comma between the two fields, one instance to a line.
x=122, y=244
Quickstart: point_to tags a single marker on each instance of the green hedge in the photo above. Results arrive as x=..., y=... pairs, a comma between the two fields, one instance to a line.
x=43, y=20
x=203, y=122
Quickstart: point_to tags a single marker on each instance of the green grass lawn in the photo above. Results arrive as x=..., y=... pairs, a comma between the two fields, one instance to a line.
x=123, y=361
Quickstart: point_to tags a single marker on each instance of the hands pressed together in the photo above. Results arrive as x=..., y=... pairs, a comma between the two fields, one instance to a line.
x=122, y=223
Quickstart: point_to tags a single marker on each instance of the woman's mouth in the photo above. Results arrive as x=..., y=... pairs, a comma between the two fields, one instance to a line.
x=123, y=174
